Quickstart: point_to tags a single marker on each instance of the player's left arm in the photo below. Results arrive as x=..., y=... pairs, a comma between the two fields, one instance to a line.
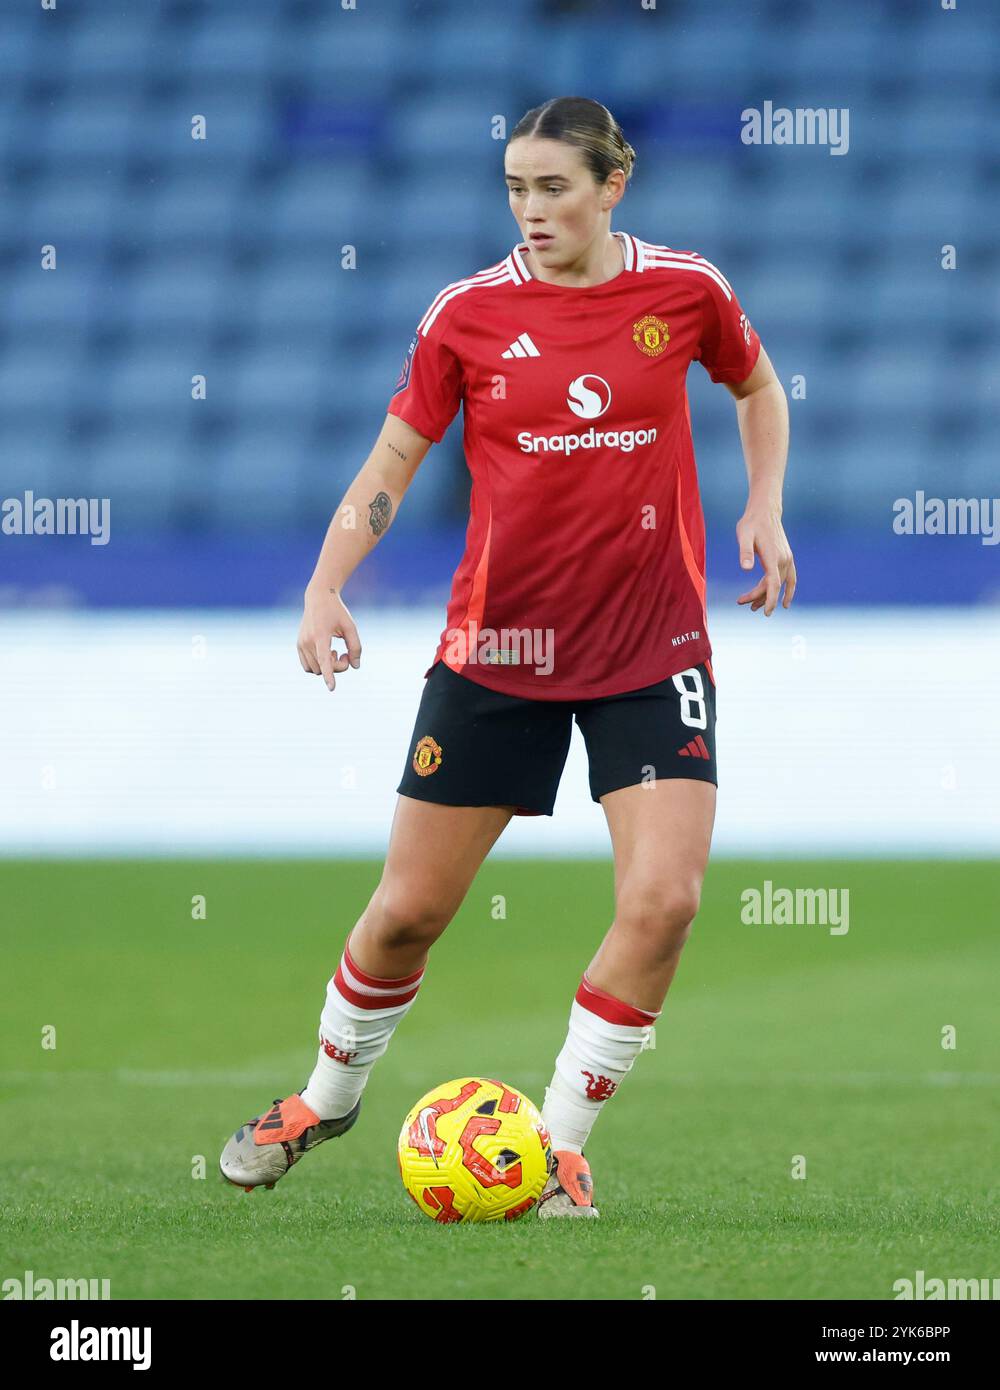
x=762, y=414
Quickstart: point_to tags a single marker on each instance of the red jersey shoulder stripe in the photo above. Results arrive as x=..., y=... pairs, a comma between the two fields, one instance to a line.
x=663, y=258
x=498, y=274
x=655, y=249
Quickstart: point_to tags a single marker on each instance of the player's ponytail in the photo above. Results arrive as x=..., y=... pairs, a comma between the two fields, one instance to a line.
x=586, y=124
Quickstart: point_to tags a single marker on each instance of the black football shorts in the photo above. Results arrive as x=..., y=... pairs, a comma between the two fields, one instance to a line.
x=477, y=747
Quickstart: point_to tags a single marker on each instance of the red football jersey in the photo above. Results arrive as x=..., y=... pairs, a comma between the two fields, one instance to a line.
x=584, y=565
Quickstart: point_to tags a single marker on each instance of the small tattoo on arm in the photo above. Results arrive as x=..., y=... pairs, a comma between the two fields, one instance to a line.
x=392, y=449
x=379, y=513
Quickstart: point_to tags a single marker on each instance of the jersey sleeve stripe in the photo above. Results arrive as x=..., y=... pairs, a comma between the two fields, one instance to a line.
x=703, y=268
x=496, y=275
x=662, y=254
x=467, y=279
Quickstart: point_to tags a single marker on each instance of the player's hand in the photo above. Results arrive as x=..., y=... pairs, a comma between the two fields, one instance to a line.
x=325, y=617
x=761, y=533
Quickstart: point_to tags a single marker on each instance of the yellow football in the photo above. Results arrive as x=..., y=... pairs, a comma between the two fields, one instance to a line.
x=474, y=1150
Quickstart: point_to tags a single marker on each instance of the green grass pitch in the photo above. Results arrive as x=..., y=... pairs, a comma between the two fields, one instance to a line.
x=775, y=1041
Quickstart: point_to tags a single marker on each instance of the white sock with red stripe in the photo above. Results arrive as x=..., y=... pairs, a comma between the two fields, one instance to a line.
x=360, y=1016
x=605, y=1037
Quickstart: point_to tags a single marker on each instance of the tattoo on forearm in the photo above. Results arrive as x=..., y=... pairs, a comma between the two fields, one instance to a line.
x=379, y=513
x=398, y=452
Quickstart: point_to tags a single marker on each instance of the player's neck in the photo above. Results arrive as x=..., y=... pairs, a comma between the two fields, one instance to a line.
x=604, y=265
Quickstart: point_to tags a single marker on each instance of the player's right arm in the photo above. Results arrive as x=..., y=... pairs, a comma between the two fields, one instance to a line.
x=362, y=519
x=425, y=401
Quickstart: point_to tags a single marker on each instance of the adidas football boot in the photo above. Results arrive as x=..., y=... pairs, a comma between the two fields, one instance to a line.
x=263, y=1150
x=570, y=1188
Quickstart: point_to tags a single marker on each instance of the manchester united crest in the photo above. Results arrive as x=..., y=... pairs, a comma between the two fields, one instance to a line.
x=427, y=756
x=650, y=335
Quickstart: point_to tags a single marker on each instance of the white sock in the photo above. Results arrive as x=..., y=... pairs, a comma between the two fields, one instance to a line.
x=360, y=1016
x=605, y=1037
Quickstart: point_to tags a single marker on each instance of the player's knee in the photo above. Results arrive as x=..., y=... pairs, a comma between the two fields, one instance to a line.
x=659, y=914
x=400, y=918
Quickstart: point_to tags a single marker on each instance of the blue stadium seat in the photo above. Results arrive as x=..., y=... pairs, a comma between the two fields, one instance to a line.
x=178, y=287
x=372, y=128
x=44, y=376
x=138, y=465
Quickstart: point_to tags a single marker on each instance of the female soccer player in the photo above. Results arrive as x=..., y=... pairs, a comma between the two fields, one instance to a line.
x=581, y=594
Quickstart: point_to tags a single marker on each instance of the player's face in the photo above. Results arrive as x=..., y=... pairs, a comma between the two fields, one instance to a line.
x=557, y=203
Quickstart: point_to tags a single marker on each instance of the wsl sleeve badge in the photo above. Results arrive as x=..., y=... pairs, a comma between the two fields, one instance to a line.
x=404, y=373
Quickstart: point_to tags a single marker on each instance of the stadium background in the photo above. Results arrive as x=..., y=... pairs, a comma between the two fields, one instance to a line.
x=153, y=704
x=373, y=129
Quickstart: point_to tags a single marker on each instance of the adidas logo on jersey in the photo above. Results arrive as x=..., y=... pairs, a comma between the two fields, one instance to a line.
x=522, y=346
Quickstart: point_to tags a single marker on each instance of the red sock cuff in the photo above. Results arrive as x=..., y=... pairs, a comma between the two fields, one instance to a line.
x=376, y=981
x=612, y=1010
x=370, y=991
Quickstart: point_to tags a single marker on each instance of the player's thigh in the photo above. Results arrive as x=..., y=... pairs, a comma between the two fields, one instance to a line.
x=661, y=834
x=652, y=763
x=434, y=854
